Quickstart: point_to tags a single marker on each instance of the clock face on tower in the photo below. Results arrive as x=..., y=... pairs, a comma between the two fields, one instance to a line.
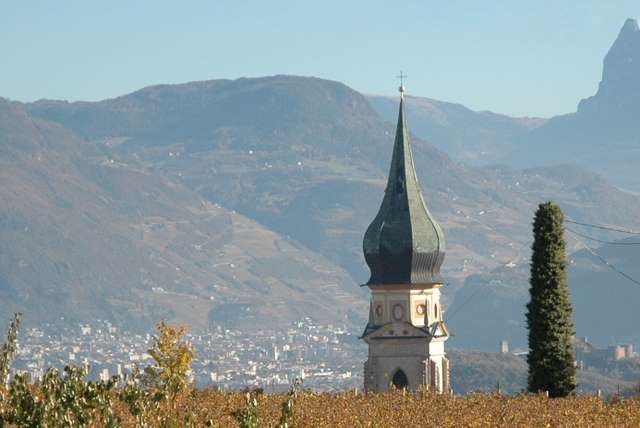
x=398, y=312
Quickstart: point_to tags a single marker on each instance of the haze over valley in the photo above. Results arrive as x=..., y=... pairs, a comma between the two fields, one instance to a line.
x=241, y=204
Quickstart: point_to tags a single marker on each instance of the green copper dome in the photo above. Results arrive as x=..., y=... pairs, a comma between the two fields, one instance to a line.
x=403, y=244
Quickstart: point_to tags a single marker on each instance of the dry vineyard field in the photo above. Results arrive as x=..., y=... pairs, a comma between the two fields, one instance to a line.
x=398, y=409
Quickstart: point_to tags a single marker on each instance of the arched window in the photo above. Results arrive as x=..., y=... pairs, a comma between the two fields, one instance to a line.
x=400, y=380
x=435, y=311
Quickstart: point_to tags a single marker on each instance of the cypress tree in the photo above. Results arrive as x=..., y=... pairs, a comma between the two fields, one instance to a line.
x=551, y=356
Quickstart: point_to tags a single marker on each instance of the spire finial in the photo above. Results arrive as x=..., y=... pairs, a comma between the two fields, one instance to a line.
x=401, y=87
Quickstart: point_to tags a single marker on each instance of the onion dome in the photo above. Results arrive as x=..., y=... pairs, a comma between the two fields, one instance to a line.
x=403, y=244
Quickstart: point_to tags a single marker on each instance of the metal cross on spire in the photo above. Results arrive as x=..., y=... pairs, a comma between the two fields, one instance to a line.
x=401, y=77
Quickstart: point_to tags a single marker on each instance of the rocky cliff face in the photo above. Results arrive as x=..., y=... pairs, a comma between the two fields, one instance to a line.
x=619, y=90
x=604, y=133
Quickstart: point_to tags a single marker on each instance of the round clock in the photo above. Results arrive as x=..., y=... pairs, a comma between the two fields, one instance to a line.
x=398, y=311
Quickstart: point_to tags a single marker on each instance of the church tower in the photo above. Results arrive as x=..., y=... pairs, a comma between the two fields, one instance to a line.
x=404, y=248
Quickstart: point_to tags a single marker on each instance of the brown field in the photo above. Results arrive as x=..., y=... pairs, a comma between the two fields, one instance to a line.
x=398, y=409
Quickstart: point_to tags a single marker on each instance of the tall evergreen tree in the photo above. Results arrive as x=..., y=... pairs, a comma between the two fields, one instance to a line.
x=551, y=355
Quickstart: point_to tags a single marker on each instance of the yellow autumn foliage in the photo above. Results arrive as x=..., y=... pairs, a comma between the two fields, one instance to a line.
x=172, y=357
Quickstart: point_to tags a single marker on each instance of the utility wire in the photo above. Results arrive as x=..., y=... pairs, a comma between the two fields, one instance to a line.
x=598, y=256
x=600, y=240
x=609, y=265
x=478, y=289
x=598, y=226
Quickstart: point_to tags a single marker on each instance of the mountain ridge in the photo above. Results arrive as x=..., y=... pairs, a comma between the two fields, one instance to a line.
x=475, y=137
x=88, y=234
x=317, y=175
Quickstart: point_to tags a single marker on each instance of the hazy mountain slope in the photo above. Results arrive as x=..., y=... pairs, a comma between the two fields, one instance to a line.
x=604, y=133
x=241, y=113
x=86, y=234
x=316, y=169
x=474, y=137
x=473, y=371
x=601, y=296
x=603, y=300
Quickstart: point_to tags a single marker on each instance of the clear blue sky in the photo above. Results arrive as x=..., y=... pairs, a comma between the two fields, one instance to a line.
x=534, y=58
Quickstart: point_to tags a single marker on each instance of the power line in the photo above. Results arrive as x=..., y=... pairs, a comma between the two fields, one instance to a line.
x=598, y=256
x=602, y=259
x=480, y=288
x=600, y=240
x=598, y=226
x=610, y=265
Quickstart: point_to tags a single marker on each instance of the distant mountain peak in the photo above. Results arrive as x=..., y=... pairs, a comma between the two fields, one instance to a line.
x=620, y=82
x=622, y=63
x=604, y=133
x=630, y=25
